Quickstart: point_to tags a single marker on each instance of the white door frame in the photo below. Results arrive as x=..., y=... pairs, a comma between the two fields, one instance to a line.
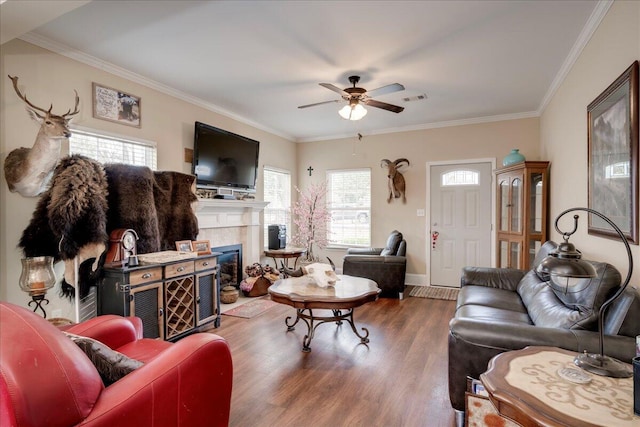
x=491, y=160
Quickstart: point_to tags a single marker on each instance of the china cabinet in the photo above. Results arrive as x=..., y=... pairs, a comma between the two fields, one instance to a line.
x=522, y=212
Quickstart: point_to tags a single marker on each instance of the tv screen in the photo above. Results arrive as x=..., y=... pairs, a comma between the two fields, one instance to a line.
x=224, y=159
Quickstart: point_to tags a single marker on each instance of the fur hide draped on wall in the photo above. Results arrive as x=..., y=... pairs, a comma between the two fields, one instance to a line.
x=155, y=204
x=87, y=200
x=131, y=204
x=70, y=218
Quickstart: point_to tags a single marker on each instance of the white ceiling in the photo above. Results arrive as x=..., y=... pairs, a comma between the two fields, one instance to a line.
x=257, y=61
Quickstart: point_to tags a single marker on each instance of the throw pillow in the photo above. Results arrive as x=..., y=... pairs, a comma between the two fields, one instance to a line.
x=110, y=364
x=393, y=242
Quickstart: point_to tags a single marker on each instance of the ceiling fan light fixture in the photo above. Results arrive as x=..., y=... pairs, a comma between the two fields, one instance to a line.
x=353, y=112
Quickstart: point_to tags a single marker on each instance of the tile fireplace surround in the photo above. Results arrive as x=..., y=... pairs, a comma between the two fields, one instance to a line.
x=230, y=222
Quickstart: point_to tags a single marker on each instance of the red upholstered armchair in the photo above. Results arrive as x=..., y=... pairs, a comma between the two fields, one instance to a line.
x=46, y=380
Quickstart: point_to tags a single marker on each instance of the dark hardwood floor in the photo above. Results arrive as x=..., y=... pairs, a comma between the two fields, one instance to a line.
x=398, y=379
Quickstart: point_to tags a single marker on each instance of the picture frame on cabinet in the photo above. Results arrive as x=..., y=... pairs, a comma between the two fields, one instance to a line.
x=202, y=247
x=613, y=157
x=184, y=246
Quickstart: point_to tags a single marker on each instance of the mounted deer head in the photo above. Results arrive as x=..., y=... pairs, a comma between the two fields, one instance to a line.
x=395, y=178
x=28, y=170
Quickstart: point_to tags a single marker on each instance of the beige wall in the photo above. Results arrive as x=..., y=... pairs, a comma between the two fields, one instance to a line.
x=613, y=47
x=48, y=77
x=487, y=140
x=559, y=136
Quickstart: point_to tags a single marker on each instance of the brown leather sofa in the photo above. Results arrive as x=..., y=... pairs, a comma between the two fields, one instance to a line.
x=46, y=380
x=385, y=266
x=507, y=309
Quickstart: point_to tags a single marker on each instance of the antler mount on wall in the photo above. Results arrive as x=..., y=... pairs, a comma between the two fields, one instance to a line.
x=395, y=178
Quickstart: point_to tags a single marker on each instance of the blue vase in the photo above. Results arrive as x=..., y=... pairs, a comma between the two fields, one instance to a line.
x=513, y=157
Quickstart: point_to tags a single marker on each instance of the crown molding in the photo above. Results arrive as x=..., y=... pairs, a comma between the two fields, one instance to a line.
x=443, y=124
x=589, y=28
x=77, y=55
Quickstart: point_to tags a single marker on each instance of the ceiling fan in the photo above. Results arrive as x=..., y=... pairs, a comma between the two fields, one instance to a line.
x=356, y=96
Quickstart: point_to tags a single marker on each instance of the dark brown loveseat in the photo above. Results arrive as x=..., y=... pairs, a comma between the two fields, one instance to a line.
x=501, y=309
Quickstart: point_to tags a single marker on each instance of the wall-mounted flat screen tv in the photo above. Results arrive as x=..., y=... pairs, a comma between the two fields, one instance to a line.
x=224, y=159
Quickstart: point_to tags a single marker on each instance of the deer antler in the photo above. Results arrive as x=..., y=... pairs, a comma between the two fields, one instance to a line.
x=24, y=97
x=75, y=108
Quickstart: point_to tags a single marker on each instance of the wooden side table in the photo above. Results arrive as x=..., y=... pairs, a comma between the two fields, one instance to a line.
x=528, y=387
x=286, y=254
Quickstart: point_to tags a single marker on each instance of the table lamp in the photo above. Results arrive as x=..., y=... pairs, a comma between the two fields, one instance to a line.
x=37, y=278
x=567, y=272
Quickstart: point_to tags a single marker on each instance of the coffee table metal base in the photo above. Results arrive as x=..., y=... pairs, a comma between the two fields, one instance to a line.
x=313, y=322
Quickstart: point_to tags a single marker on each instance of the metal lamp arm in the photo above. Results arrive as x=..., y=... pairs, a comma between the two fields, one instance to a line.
x=626, y=281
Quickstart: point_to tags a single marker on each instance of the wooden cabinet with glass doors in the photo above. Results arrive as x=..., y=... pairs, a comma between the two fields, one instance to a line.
x=522, y=212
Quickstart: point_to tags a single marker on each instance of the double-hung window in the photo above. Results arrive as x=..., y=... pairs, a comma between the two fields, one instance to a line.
x=349, y=205
x=277, y=191
x=113, y=149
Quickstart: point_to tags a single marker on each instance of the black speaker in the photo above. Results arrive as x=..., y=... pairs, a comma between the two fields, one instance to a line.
x=277, y=236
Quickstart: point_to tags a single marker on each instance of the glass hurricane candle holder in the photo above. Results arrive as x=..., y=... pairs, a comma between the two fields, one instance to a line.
x=36, y=279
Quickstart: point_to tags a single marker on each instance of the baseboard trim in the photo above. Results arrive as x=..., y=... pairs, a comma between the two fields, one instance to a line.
x=415, y=279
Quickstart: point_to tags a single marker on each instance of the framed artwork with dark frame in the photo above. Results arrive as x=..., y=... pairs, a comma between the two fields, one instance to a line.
x=203, y=247
x=613, y=157
x=184, y=246
x=116, y=106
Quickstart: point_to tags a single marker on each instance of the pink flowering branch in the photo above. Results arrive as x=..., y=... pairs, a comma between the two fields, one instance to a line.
x=311, y=216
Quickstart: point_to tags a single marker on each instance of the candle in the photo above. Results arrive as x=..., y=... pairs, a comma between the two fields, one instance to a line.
x=37, y=287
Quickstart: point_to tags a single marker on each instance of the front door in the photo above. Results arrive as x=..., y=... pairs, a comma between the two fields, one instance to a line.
x=460, y=220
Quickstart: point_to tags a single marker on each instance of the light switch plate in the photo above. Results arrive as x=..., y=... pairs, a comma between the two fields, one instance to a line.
x=420, y=212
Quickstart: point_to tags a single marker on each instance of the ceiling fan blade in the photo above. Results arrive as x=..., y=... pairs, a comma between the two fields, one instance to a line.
x=334, y=88
x=383, y=105
x=394, y=87
x=320, y=103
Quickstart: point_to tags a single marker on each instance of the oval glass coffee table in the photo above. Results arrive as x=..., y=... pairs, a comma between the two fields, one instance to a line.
x=305, y=295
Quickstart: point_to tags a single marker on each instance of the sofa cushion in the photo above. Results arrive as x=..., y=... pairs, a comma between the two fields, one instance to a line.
x=110, y=364
x=572, y=310
x=393, y=242
x=492, y=314
x=490, y=297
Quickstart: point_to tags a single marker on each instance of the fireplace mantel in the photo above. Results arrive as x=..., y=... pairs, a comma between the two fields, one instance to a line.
x=213, y=213
x=216, y=215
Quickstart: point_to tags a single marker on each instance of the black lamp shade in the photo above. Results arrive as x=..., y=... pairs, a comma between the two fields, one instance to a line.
x=565, y=269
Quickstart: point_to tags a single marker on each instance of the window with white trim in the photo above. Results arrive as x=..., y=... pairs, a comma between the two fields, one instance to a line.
x=112, y=149
x=460, y=177
x=277, y=191
x=349, y=205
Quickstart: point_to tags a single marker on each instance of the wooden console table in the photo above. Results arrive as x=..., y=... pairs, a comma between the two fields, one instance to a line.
x=173, y=298
x=525, y=386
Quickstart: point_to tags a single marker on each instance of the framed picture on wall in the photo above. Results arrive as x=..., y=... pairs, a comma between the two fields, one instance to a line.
x=613, y=156
x=116, y=106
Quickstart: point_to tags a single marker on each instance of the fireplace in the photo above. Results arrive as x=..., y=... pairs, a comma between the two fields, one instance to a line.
x=230, y=263
x=231, y=222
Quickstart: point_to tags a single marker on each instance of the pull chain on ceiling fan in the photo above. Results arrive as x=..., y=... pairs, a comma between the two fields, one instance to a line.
x=356, y=96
